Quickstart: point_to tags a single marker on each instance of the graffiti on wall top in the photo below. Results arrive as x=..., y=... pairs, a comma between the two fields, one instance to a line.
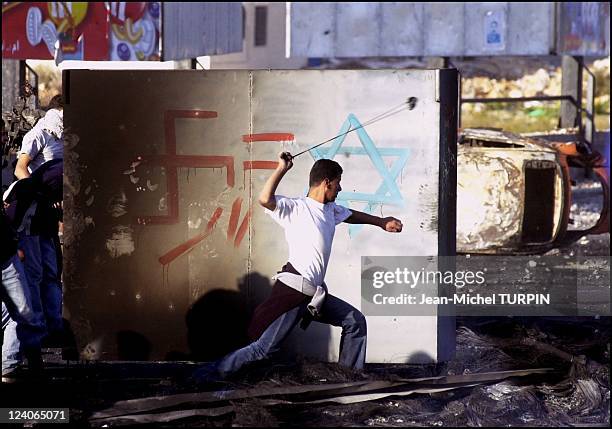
x=81, y=30
x=134, y=30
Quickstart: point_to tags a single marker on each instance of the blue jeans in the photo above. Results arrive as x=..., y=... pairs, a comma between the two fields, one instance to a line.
x=22, y=329
x=334, y=312
x=43, y=278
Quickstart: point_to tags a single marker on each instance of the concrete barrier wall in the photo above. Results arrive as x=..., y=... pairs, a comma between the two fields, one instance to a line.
x=164, y=239
x=369, y=29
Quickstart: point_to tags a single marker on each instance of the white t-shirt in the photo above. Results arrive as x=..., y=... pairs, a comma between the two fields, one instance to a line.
x=309, y=230
x=44, y=142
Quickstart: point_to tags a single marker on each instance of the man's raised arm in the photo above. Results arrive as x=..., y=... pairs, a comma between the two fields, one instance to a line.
x=266, y=197
x=389, y=224
x=21, y=169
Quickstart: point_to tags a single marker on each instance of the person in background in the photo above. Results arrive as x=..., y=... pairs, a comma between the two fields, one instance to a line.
x=38, y=228
x=44, y=142
x=22, y=331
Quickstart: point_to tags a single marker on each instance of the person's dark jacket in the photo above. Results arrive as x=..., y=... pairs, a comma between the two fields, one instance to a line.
x=9, y=239
x=44, y=188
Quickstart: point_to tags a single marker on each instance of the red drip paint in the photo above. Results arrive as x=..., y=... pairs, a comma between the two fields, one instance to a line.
x=172, y=162
x=233, y=222
x=190, y=161
x=192, y=242
x=244, y=226
x=268, y=137
x=230, y=172
x=260, y=165
x=173, y=194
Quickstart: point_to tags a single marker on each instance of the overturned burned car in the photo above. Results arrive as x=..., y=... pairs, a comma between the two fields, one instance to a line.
x=514, y=193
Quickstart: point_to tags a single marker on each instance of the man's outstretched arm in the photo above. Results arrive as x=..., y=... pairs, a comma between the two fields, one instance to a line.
x=389, y=224
x=266, y=197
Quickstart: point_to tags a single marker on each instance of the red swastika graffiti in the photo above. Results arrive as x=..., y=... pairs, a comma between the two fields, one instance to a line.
x=172, y=162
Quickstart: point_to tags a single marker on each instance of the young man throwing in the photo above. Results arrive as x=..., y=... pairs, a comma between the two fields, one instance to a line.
x=299, y=292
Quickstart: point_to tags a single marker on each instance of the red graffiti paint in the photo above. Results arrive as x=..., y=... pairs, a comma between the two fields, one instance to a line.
x=260, y=165
x=233, y=221
x=185, y=247
x=172, y=162
x=268, y=137
x=244, y=227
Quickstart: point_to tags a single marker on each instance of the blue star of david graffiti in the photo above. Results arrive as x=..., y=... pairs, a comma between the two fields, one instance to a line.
x=388, y=191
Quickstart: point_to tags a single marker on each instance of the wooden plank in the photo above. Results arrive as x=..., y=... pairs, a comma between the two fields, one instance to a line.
x=353, y=399
x=418, y=385
x=162, y=417
x=156, y=402
x=452, y=382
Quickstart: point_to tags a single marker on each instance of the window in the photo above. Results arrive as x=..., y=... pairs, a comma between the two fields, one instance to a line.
x=261, y=23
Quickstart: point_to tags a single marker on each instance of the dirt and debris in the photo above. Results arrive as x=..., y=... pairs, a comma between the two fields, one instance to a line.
x=586, y=205
x=575, y=392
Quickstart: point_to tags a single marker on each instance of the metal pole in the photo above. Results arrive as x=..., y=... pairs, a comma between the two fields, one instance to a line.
x=571, y=84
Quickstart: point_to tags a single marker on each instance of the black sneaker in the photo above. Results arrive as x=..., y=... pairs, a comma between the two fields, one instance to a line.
x=54, y=339
x=35, y=362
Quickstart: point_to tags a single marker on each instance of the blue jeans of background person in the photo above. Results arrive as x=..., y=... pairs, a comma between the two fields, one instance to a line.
x=334, y=312
x=22, y=329
x=43, y=278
